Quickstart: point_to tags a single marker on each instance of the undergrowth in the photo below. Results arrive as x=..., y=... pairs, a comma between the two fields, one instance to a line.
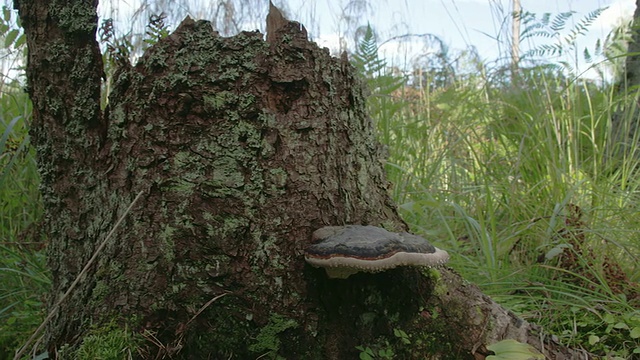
x=526, y=186
x=23, y=277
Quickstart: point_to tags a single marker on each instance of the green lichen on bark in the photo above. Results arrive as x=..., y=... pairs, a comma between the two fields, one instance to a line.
x=76, y=16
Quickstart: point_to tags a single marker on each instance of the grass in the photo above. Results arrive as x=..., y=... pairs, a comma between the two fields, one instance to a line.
x=521, y=185
x=529, y=186
x=24, y=279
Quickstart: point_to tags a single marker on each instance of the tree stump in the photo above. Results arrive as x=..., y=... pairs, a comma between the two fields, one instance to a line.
x=241, y=149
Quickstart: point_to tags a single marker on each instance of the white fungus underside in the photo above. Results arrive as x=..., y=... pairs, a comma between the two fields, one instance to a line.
x=342, y=267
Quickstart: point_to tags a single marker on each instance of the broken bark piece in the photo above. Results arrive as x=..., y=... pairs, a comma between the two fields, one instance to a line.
x=275, y=21
x=345, y=250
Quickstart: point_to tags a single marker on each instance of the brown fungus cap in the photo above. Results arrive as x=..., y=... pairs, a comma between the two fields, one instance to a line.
x=345, y=250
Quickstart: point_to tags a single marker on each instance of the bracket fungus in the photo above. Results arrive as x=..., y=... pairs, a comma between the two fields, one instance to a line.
x=345, y=250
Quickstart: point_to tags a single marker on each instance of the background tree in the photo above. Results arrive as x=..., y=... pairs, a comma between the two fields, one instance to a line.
x=624, y=135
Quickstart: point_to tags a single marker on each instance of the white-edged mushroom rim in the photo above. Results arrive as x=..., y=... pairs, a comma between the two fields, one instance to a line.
x=436, y=258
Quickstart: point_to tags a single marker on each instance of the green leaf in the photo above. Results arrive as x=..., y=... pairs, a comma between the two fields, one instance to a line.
x=365, y=353
x=608, y=318
x=385, y=353
x=635, y=332
x=513, y=350
x=620, y=325
x=11, y=36
x=557, y=250
x=402, y=335
x=6, y=13
x=593, y=339
x=21, y=40
x=42, y=356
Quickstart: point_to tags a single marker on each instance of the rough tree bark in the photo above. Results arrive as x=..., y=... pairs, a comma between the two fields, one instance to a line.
x=625, y=121
x=632, y=73
x=242, y=148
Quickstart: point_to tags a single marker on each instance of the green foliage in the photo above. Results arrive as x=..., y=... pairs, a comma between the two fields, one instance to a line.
x=403, y=336
x=513, y=350
x=121, y=50
x=377, y=352
x=110, y=342
x=520, y=186
x=384, y=100
x=610, y=332
x=19, y=196
x=156, y=29
x=553, y=28
x=384, y=349
x=13, y=39
x=366, y=58
x=23, y=285
x=613, y=48
x=24, y=280
x=268, y=340
x=564, y=40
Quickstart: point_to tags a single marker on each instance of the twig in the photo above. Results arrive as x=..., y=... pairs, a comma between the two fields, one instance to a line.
x=76, y=281
x=205, y=306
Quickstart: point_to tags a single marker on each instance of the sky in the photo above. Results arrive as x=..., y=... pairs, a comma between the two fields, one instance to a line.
x=460, y=24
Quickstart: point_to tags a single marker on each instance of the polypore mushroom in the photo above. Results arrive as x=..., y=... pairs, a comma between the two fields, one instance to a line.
x=345, y=250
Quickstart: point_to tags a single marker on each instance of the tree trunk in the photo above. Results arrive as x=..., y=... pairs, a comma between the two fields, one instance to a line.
x=632, y=73
x=241, y=149
x=624, y=122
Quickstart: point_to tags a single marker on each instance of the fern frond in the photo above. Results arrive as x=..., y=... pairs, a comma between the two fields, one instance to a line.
x=560, y=21
x=366, y=57
x=586, y=55
x=582, y=27
x=156, y=29
x=372, y=67
x=548, y=50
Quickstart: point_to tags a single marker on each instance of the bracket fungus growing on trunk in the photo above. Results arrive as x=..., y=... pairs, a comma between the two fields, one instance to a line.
x=345, y=250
